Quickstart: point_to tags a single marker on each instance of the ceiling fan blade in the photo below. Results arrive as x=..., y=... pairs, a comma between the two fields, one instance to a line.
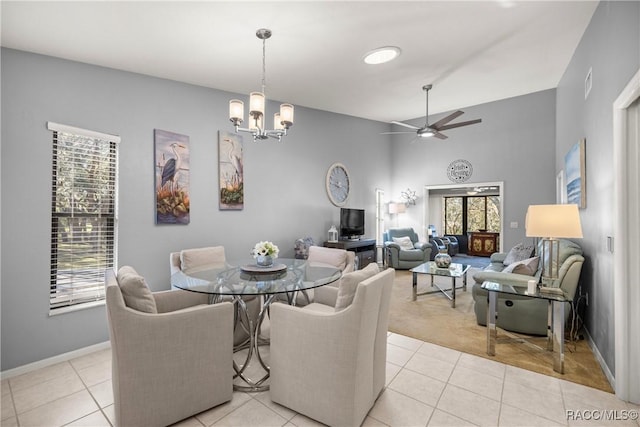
x=406, y=125
x=440, y=135
x=447, y=119
x=394, y=133
x=457, y=125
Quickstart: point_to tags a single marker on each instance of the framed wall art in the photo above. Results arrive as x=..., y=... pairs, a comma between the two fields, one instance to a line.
x=171, y=177
x=230, y=171
x=575, y=172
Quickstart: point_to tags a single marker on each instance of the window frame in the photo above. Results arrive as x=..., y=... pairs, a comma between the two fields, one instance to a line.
x=108, y=237
x=465, y=206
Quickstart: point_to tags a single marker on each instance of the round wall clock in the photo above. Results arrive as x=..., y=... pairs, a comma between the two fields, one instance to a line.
x=338, y=184
x=459, y=170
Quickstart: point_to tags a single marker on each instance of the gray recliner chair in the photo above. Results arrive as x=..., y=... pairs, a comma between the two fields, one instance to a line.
x=453, y=246
x=404, y=258
x=520, y=313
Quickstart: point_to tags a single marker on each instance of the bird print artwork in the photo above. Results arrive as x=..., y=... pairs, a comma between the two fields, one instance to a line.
x=172, y=177
x=231, y=171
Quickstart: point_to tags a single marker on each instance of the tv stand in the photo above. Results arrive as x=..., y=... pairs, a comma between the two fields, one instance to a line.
x=365, y=249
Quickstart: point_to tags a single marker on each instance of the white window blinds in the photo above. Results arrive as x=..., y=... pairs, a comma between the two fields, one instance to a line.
x=83, y=214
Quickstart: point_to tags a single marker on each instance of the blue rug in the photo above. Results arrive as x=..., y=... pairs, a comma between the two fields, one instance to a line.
x=473, y=261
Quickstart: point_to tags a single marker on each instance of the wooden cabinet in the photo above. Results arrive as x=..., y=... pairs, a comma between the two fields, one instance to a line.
x=483, y=243
x=365, y=249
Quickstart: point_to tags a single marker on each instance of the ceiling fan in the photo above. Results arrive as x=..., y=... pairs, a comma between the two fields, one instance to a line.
x=435, y=129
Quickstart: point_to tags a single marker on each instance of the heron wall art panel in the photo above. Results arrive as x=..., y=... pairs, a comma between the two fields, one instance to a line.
x=230, y=176
x=172, y=177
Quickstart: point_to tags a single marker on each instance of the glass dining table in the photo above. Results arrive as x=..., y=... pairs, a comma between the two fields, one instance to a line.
x=243, y=278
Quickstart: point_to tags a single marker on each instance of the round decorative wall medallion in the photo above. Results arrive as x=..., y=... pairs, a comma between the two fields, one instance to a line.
x=459, y=170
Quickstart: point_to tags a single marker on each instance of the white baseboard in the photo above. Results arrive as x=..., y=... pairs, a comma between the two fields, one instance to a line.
x=600, y=359
x=9, y=373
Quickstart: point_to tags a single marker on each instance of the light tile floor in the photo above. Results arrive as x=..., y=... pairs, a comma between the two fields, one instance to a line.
x=427, y=385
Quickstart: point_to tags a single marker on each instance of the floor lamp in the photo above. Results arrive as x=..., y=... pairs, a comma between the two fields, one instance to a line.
x=397, y=209
x=552, y=222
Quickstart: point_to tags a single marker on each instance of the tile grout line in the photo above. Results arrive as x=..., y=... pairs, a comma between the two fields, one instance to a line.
x=462, y=388
x=45, y=403
x=13, y=403
x=100, y=409
x=504, y=380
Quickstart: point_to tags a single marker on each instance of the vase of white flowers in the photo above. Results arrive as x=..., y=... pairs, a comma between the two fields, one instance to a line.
x=264, y=253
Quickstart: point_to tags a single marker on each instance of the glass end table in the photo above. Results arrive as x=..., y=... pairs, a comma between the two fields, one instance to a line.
x=555, y=316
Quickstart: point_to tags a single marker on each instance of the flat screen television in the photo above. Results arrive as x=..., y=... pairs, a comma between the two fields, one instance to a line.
x=351, y=223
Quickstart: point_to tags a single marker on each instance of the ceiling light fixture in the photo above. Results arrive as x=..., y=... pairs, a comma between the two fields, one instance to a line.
x=282, y=121
x=382, y=55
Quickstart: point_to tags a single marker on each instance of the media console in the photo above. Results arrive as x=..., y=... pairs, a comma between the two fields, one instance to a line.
x=365, y=249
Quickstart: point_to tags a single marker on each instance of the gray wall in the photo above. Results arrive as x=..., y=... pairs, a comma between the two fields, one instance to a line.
x=522, y=141
x=285, y=195
x=515, y=143
x=611, y=47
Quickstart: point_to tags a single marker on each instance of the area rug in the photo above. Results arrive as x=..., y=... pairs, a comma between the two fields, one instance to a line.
x=431, y=318
x=473, y=261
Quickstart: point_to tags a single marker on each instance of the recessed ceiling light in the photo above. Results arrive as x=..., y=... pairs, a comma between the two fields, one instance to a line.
x=382, y=55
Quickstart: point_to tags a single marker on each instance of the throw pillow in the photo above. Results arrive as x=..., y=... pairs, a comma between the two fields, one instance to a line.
x=349, y=283
x=194, y=260
x=527, y=267
x=405, y=242
x=518, y=253
x=135, y=291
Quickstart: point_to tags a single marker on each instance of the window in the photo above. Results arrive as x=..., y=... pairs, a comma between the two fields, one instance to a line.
x=453, y=215
x=83, y=215
x=471, y=213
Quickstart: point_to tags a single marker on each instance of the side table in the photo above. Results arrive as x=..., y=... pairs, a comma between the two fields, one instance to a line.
x=555, y=318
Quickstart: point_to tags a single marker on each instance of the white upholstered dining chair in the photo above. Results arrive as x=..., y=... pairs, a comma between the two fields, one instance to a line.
x=328, y=359
x=198, y=259
x=172, y=353
x=342, y=259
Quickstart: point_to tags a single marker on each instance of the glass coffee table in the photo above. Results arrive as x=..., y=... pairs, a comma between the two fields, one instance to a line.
x=454, y=271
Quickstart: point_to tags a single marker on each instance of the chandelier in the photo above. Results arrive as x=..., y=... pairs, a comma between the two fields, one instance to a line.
x=282, y=121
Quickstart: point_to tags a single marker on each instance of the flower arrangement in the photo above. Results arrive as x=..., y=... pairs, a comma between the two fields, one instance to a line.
x=265, y=249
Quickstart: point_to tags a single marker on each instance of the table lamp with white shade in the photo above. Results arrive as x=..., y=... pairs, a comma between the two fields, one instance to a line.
x=552, y=222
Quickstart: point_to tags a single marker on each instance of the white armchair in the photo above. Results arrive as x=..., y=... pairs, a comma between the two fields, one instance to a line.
x=329, y=363
x=172, y=353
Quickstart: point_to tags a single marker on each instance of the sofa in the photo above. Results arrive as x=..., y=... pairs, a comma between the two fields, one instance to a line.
x=522, y=314
x=403, y=249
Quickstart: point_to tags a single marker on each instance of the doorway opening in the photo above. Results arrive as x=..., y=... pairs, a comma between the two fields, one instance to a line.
x=434, y=196
x=626, y=155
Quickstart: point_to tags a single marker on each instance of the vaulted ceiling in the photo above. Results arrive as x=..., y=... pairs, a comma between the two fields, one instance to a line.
x=471, y=51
